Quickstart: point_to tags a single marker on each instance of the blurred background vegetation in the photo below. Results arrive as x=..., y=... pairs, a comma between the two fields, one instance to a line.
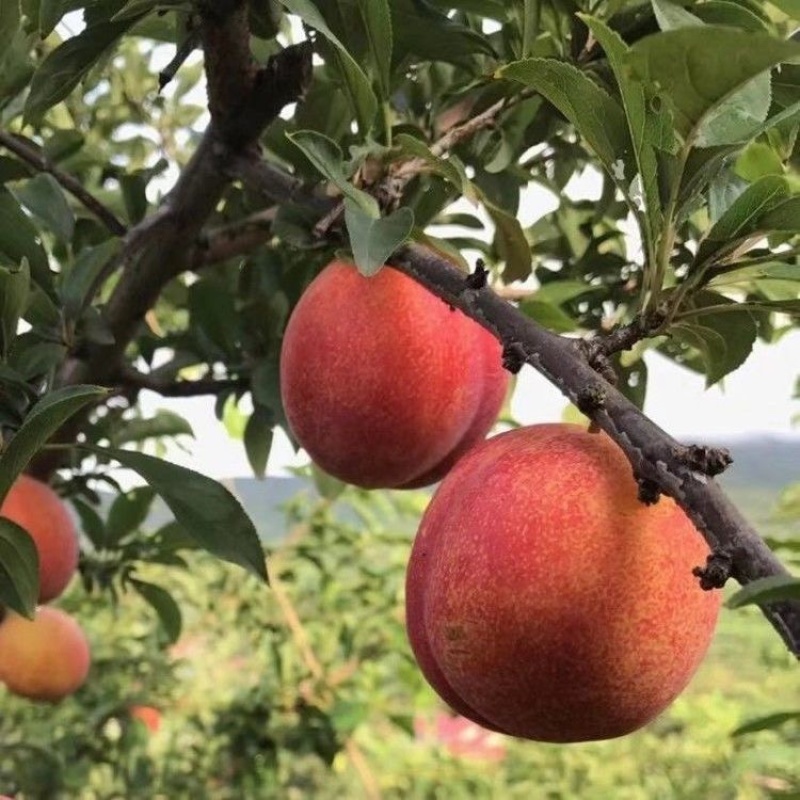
x=309, y=690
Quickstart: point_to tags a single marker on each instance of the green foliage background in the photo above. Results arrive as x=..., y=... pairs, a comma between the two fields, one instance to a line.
x=243, y=716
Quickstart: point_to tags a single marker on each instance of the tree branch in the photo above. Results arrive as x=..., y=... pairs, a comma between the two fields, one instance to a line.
x=654, y=455
x=28, y=151
x=164, y=243
x=133, y=379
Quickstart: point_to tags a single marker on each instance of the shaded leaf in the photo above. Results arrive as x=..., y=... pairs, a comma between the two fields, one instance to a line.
x=19, y=239
x=9, y=22
x=326, y=156
x=80, y=278
x=128, y=512
x=378, y=23
x=258, y=433
x=743, y=218
x=356, y=83
x=766, y=590
x=512, y=246
x=65, y=67
x=44, y=419
x=14, y=289
x=686, y=65
x=767, y=722
x=19, y=569
x=598, y=117
x=163, y=603
x=44, y=198
x=374, y=240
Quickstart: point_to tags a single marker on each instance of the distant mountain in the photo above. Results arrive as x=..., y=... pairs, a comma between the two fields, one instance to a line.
x=763, y=466
x=766, y=462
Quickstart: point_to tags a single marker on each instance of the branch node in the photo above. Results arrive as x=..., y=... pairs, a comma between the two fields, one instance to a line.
x=514, y=357
x=591, y=398
x=718, y=568
x=479, y=278
x=649, y=492
x=710, y=461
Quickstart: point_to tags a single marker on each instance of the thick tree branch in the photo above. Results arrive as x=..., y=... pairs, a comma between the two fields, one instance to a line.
x=29, y=152
x=654, y=455
x=164, y=243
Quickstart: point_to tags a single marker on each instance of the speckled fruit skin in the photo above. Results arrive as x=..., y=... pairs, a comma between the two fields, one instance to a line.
x=44, y=659
x=384, y=384
x=33, y=505
x=544, y=599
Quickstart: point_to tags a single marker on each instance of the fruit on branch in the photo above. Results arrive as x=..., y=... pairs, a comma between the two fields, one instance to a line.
x=34, y=506
x=46, y=658
x=382, y=382
x=545, y=601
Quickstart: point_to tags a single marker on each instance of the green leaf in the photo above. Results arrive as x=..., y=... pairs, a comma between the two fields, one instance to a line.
x=785, y=216
x=80, y=278
x=19, y=239
x=548, y=314
x=206, y=510
x=512, y=246
x=64, y=68
x=643, y=122
x=326, y=156
x=357, y=84
x=378, y=23
x=162, y=425
x=724, y=340
x=687, y=67
x=737, y=118
x=10, y=19
x=92, y=525
x=671, y=16
x=451, y=169
x=743, y=219
x=128, y=512
x=374, y=240
x=767, y=722
x=789, y=7
x=14, y=290
x=163, y=603
x=328, y=487
x=44, y=198
x=258, y=433
x=423, y=31
x=19, y=569
x=597, y=116
x=766, y=590
x=44, y=419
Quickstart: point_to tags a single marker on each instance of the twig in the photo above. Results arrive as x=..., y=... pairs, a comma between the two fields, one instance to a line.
x=29, y=152
x=303, y=643
x=184, y=50
x=133, y=379
x=654, y=455
x=238, y=238
x=404, y=172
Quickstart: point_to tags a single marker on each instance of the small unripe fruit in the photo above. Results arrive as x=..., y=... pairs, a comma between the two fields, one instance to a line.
x=46, y=658
x=543, y=600
x=34, y=506
x=383, y=383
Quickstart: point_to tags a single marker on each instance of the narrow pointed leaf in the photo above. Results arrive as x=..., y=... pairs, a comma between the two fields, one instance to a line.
x=207, y=511
x=766, y=590
x=598, y=117
x=46, y=417
x=19, y=569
